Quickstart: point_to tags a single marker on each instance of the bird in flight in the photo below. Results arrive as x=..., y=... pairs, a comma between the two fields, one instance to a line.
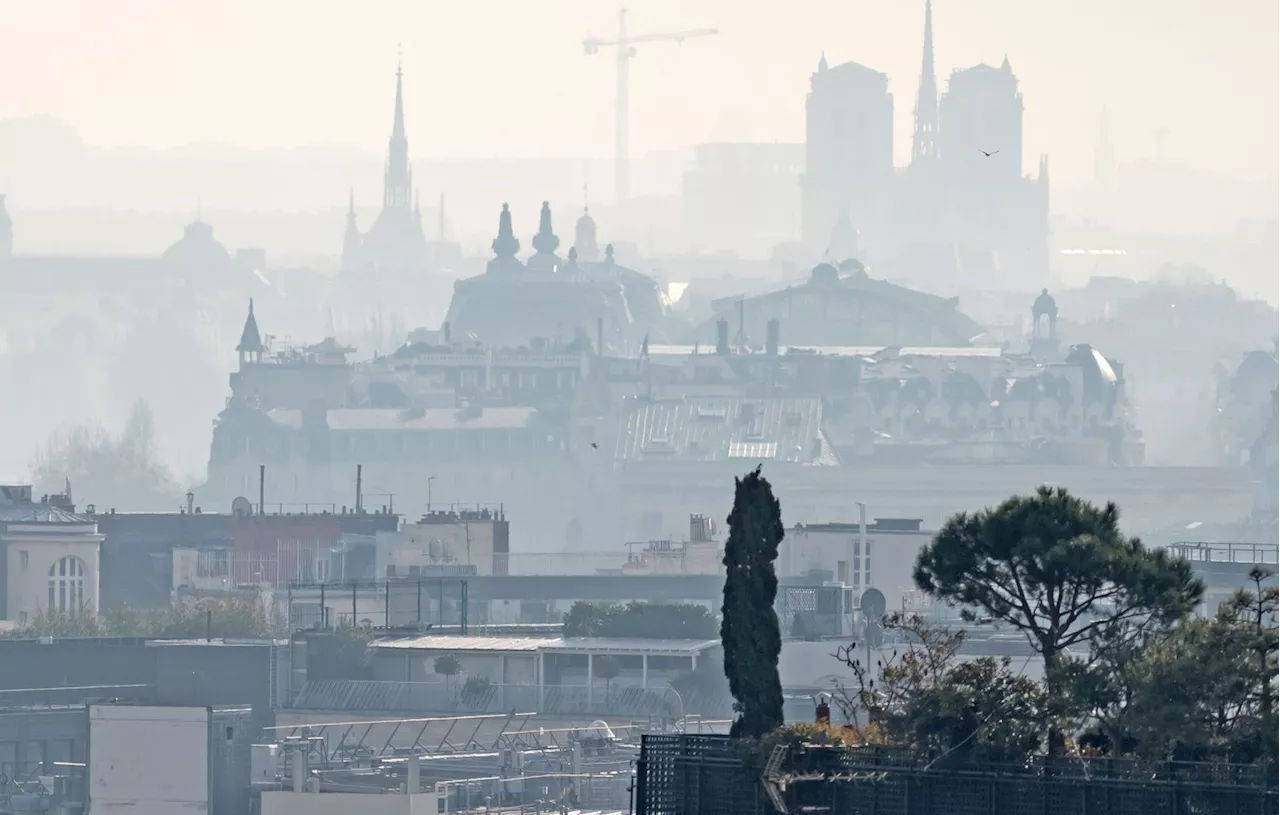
x=595, y=446
x=985, y=153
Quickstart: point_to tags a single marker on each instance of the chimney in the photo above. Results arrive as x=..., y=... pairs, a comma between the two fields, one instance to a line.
x=772, y=333
x=722, y=337
x=299, y=768
x=415, y=774
x=262, y=489
x=600, y=336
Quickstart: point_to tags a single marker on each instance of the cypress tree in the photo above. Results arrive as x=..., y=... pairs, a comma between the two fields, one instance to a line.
x=749, y=629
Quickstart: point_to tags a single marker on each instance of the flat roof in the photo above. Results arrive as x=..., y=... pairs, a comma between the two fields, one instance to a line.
x=550, y=645
x=464, y=643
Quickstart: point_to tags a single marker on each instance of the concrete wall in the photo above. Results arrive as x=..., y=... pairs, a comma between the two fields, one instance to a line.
x=150, y=760
x=29, y=738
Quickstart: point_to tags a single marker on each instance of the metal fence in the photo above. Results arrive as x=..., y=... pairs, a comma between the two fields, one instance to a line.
x=381, y=603
x=707, y=775
x=439, y=697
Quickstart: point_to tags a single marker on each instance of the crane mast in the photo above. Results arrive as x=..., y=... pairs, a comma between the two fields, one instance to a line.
x=622, y=122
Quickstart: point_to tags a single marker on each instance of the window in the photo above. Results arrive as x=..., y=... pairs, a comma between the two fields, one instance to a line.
x=24, y=559
x=66, y=586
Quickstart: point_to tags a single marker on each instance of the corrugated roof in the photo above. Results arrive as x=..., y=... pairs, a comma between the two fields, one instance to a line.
x=628, y=645
x=549, y=645
x=493, y=418
x=434, y=643
x=715, y=429
x=842, y=350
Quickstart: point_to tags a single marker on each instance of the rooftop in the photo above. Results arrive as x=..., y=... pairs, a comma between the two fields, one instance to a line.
x=550, y=645
x=39, y=514
x=715, y=429
x=494, y=418
x=866, y=351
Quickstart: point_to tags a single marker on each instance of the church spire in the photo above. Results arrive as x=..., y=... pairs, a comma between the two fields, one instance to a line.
x=925, y=143
x=250, y=347
x=397, y=193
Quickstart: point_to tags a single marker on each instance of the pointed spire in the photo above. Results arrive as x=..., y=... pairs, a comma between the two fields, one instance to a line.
x=1005, y=66
x=545, y=242
x=505, y=245
x=250, y=339
x=925, y=142
x=399, y=178
x=822, y=62
x=397, y=125
x=351, y=203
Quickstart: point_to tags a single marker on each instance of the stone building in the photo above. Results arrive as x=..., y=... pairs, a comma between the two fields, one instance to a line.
x=962, y=210
x=49, y=557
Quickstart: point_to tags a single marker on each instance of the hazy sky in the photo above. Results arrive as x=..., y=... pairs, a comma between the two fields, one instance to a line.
x=1186, y=80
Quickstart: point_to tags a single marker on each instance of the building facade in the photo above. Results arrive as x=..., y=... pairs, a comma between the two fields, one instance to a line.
x=49, y=556
x=962, y=210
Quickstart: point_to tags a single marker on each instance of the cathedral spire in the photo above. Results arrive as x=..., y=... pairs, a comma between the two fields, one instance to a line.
x=925, y=143
x=397, y=190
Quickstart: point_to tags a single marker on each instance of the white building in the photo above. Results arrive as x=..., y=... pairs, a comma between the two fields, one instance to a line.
x=49, y=557
x=472, y=541
x=885, y=560
x=540, y=663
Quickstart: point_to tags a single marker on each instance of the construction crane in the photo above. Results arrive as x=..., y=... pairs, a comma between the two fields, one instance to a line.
x=623, y=44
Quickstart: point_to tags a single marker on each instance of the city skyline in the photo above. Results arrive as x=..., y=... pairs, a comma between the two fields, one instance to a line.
x=530, y=91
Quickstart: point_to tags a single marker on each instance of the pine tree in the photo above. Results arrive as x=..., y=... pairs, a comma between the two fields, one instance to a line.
x=749, y=629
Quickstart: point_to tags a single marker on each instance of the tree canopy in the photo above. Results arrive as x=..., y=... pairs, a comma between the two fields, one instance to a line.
x=108, y=470
x=243, y=616
x=1056, y=568
x=640, y=621
x=749, y=629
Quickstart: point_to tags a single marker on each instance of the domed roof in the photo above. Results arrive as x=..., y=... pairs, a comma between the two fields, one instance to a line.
x=824, y=273
x=1044, y=304
x=198, y=249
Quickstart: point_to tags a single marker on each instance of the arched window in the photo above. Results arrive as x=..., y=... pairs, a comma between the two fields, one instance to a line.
x=66, y=586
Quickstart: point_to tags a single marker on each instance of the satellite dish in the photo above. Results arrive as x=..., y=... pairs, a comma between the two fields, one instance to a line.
x=873, y=604
x=241, y=507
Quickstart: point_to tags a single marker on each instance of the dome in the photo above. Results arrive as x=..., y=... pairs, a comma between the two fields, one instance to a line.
x=198, y=250
x=1044, y=304
x=584, y=238
x=825, y=273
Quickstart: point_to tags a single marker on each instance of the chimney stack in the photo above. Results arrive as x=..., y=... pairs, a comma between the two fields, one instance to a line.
x=772, y=335
x=722, y=337
x=300, y=767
